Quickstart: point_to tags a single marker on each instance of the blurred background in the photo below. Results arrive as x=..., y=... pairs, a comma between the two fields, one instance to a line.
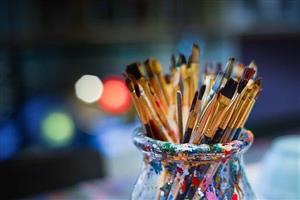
x=66, y=117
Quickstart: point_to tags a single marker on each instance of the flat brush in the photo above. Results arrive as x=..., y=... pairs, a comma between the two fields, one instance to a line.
x=245, y=116
x=253, y=65
x=223, y=101
x=220, y=132
x=241, y=107
x=249, y=73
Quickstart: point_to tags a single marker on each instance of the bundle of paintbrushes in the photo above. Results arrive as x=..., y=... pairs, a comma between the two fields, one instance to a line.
x=173, y=107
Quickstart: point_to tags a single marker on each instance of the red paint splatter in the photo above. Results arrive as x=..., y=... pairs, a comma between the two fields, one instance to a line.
x=227, y=152
x=183, y=186
x=158, y=104
x=179, y=170
x=234, y=197
x=147, y=148
x=195, y=181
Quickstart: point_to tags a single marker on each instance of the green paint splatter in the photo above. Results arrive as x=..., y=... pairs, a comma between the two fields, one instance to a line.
x=169, y=148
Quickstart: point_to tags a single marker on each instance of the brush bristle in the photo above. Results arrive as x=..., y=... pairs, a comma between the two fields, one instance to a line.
x=258, y=81
x=181, y=60
x=133, y=69
x=155, y=66
x=229, y=67
x=201, y=93
x=253, y=65
x=173, y=61
x=258, y=93
x=218, y=82
x=195, y=54
x=137, y=90
x=129, y=84
x=189, y=62
x=194, y=101
x=242, y=85
x=248, y=73
x=148, y=68
x=229, y=89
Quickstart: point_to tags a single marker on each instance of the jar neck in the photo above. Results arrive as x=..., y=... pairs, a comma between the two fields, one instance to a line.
x=161, y=150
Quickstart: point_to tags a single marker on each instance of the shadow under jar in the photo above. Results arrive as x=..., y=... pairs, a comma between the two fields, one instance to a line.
x=187, y=171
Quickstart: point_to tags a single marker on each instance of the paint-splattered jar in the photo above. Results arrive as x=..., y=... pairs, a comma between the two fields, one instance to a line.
x=186, y=171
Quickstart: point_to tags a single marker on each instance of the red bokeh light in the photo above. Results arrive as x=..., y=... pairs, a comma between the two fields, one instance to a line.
x=115, y=98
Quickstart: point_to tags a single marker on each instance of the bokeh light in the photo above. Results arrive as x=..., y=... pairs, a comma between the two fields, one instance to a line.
x=9, y=141
x=116, y=97
x=57, y=128
x=89, y=88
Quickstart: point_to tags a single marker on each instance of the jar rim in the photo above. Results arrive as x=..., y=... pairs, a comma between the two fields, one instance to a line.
x=163, y=149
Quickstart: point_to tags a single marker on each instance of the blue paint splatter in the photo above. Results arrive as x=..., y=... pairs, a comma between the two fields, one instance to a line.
x=156, y=166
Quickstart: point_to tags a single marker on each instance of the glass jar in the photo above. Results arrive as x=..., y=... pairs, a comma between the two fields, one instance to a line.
x=187, y=171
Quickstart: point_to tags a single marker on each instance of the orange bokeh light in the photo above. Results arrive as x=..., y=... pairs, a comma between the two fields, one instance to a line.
x=115, y=98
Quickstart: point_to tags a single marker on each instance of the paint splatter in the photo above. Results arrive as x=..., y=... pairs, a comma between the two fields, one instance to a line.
x=234, y=197
x=179, y=170
x=210, y=194
x=196, y=181
x=169, y=148
x=156, y=166
x=183, y=186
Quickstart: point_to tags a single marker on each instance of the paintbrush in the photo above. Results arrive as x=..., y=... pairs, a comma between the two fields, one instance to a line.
x=193, y=71
x=245, y=111
x=224, y=99
x=179, y=115
x=157, y=70
x=194, y=113
x=240, y=108
x=142, y=115
x=247, y=74
x=152, y=102
x=184, y=86
x=192, y=117
x=156, y=85
x=221, y=135
x=208, y=80
x=157, y=127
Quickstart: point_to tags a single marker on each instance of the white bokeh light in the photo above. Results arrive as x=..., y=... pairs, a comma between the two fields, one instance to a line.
x=89, y=88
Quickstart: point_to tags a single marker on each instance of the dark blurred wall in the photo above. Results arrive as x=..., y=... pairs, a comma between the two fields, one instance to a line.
x=45, y=46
